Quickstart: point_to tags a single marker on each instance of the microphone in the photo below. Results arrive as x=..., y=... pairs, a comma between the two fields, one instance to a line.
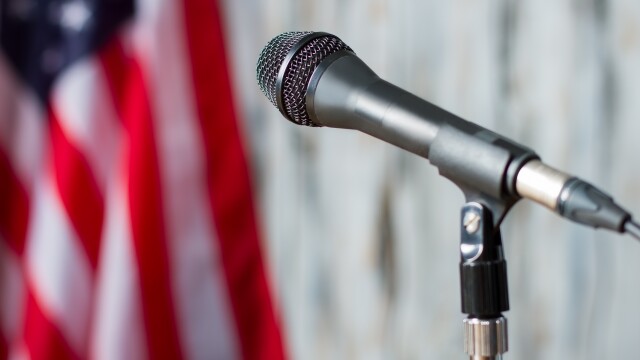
x=316, y=80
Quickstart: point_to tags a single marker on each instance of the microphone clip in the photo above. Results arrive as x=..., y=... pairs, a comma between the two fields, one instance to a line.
x=483, y=283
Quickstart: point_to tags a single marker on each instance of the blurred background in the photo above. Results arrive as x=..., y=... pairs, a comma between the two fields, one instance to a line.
x=154, y=204
x=362, y=237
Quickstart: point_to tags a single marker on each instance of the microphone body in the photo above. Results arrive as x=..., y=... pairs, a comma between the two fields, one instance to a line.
x=344, y=93
x=315, y=79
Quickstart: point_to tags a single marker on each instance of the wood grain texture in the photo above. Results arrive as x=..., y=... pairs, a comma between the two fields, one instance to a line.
x=362, y=238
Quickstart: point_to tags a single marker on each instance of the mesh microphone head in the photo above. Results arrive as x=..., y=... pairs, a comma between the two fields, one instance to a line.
x=285, y=67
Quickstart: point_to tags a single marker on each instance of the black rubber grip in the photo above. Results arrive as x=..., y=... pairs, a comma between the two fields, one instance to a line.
x=484, y=288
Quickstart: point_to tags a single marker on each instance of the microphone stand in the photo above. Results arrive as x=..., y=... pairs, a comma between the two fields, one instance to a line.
x=483, y=281
x=493, y=171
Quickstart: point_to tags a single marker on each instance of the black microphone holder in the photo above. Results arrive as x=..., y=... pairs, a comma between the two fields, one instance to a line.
x=483, y=283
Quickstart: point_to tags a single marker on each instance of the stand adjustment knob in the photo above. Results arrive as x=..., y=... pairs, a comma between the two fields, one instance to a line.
x=485, y=338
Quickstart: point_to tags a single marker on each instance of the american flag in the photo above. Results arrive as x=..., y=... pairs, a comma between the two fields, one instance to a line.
x=127, y=224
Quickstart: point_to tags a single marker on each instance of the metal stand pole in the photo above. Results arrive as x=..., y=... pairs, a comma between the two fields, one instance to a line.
x=483, y=284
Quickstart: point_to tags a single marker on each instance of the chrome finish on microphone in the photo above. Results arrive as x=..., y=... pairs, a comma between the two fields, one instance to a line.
x=285, y=67
x=271, y=59
x=541, y=183
x=485, y=338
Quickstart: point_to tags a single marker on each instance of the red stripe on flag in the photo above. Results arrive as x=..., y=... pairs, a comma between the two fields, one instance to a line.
x=147, y=218
x=14, y=206
x=230, y=190
x=42, y=338
x=78, y=190
x=4, y=347
x=115, y=63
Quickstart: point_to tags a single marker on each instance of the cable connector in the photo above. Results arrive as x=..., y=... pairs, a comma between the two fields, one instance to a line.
x=586, y=204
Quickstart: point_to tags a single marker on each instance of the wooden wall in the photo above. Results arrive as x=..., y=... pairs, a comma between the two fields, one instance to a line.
x=362, y=238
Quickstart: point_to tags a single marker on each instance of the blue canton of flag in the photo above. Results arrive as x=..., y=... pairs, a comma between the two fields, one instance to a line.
x=41, y=38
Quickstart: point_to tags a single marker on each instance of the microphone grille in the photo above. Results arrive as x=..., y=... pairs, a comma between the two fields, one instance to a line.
x=302, y=52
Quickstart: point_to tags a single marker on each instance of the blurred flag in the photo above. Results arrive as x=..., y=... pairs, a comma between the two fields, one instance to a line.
x=127, y=226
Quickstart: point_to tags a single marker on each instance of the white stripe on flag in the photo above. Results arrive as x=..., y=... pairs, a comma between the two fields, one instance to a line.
x=203, y=310
x=57, y=266
x=118, y=331
x=83, y=105
x=21, y=126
